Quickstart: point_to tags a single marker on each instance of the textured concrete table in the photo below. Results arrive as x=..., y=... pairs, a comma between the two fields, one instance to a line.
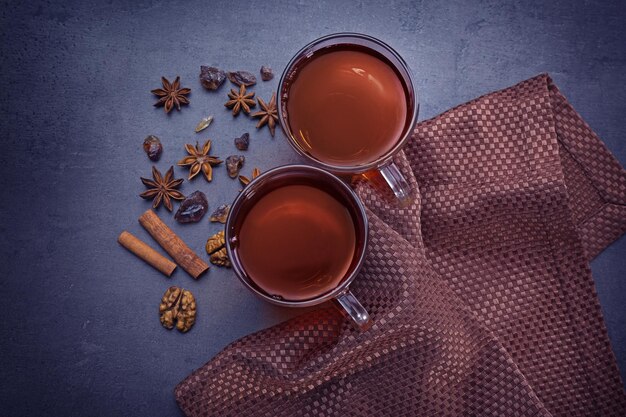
x=80, y=330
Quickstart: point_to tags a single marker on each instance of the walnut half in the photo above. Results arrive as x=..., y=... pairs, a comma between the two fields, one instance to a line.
x=178, y=306
x=216, y=248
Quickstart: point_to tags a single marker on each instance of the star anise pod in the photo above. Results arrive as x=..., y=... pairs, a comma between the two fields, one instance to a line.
x=245, y=180
x=268, y=114
x=171, y=94
x=199, y=159
x=240, y=100
x=162, y=189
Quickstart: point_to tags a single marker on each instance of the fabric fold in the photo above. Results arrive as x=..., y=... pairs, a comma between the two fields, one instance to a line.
x=480, y=290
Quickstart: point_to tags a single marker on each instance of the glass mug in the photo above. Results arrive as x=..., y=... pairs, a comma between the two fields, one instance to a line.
x=348, y=103
x=297, y=236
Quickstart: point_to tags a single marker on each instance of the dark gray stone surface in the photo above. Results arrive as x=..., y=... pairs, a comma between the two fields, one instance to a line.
x=80, y=329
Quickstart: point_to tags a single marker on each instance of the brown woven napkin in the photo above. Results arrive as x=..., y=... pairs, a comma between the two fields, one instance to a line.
x=480, y=291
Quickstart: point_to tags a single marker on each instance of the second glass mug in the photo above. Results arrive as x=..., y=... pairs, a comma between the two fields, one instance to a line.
x=382, y=163
x=287, y=175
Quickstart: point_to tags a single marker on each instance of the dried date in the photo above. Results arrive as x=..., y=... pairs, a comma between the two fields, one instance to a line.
x=242, y=142
x=192, y=208
x=266, y=73
x=234, y=163
x=211, y=78
x=220, y=214
x=153, y=147
x=242, y=77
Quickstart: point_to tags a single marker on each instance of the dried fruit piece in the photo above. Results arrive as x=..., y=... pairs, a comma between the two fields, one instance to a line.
x=233, y=164
x=216, y=248
x=242, y=142
x=266, y=73
x=192, y=208
x=153, y=147
x=162, y=188
x=171, y=94
x=240, y=100
x=211, y=78
x=204, y=123
x=199, y=159
x=268, y=114
x=220, y=214
x=245, y=180
x=178, y=306
x=242, y=78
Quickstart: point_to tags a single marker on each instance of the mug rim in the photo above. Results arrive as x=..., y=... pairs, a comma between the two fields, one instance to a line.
x=250, y=188
x=381, y=160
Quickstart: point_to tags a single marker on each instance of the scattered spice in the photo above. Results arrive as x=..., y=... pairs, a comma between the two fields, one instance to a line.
x=245, y=180
x=240, y=100
x=173, y=244
x=171, y=94
x=233, y=164
x=162, y=189
x=266, y=73
x=216, y=248
x=204, y=123
x=146, y=253
x=242, y=142
x=192, y=208
x=153, y=147
x=178, y=306
x=268, y=114
x=211, y=78
x=199, y=159
x=220, y=214
x=242, y=78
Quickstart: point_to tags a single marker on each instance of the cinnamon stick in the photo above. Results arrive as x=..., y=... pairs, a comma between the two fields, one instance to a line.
x=146, y=253
x=182, y=254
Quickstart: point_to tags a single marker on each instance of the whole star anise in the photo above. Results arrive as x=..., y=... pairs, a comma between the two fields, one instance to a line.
x=171, y=94
x=268, y=114
x=240, y=100
x=199, y=159
x=162, y=189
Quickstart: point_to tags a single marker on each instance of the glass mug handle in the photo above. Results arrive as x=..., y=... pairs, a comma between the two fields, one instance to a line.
x=396, y=181
x=351, y=308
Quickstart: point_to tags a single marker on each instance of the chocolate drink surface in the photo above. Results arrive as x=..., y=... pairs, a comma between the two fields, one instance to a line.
x=297, y=242
x=346, y=106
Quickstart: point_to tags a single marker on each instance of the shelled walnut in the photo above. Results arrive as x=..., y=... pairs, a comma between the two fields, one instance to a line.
x=178, y=306
x=216, y=248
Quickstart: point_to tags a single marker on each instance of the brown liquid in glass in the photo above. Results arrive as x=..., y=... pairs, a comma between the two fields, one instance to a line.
x=297, y=242
x=346, y=107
